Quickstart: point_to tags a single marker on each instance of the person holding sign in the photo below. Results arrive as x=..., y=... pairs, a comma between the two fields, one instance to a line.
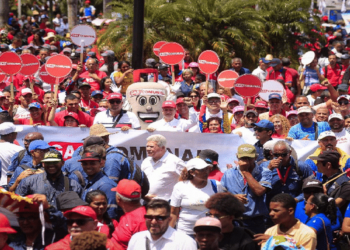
x=93, y=76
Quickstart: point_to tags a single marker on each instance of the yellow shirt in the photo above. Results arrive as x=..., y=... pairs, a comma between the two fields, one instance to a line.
x=128, y=80
x=343, y=157
x=301, y=233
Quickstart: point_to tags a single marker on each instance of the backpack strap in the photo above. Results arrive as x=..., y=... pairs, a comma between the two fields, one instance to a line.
x=214, y=185
x=24, y=167
x=118, y=119
x=66, y=184
x=80, y=178
x=21, y=155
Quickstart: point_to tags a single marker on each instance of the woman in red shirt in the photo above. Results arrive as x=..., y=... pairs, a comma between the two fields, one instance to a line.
x=281, y=125
x=37, y=116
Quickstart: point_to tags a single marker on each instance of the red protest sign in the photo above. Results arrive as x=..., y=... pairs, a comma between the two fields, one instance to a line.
x=30, y=64
x=58, y=66
x=171, y=53
x=208, y=62
x=2, y=76
x=248, y=85
x=10, y=63
x=156, y=47
x=83, y=33
x=227, y=78
x=45, y=77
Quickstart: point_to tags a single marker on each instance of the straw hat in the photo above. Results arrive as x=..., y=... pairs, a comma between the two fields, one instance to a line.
x=49, y=35
x=99, y=130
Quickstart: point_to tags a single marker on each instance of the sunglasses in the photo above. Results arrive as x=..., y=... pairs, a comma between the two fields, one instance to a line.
x=155, y=217
x=193, y=96
x=115, y=101
x=79, y=222
x=280, y=155
x=345, y=102
x=214, y=101
x=215, y=215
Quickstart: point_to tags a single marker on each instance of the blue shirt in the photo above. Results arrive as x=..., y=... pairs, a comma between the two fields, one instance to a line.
x=160, y=77
x=347, y=212
x=88, y=11
x=19, y=170
x=259, y=150
x=185, y=88
x=40, y=184
x=320, y=226
x=311, y=76
x=319, y=175
x=27, y=158
x=117, y=166
x=293, y=183
x=242, y=71
x=103, y=183
x=299, y=132
x=233, y=181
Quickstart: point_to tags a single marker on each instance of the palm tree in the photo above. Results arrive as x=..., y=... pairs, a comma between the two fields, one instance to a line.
x=4, y=12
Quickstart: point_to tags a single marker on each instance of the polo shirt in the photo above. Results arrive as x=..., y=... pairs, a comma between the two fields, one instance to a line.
x=7, y=150
x=260, y=150
x=276, y=75
x=128, y=119
x=93, y=83
x=320, y=222
x=170, y=240
x=299, y=132
x=333, y=75
x=83, y=118
x=163, y=174
x=301, y=233
x=175, y=125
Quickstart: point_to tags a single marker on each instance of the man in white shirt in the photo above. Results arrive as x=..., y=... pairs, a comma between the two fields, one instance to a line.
x=260, y=71
x=186, y=113
x=64, y=27
x=336, y=122
x=168, y=122
x=115, y=116
x=247, y=132
x=162, y=168
x=160, y=235
x=8, y=133
x=22, y=111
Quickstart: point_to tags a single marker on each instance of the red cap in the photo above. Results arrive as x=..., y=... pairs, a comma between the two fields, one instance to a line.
x=261, y=104
x=87, y=2
x=11, y=14
x=5, y=226
x=112, y=96
x=325, y=18
x=128, y=189
x=331, y=38
x=82, y=210
x=224, y=97
x=72, y=114
x=168, y=104
x=180, y=100
x=232, y=100
x=26, y=207
x=315, y=87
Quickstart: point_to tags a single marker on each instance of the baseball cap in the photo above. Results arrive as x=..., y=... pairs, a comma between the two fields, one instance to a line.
x=197, y=163
x=163, y=66
x=26, y=91
x=69, y=50
x=193, y=65
x=108, y=53
x=292, y=112
x=8, y=128
x=38, y=144
x=237, y=109
x=312, y=183
x=275, y=96
x=261, y=104
x=82, y=84
x=262, y=59
x=207, y=223
x=112, y=96
x=34, y=105
x=8, y=88
x=69, y=200
x=180, y=100
x=168, y=104
x=209, y=156
x=275, y=62
x=96, y=92
x=44, y=16
x=232, y=100
x=345, y=57
x=335, y=115
x=251, y=111
x=213, y=95
x=90, y=156
x=93, y=140
x=325, y=18
x=72, y=114
x=246, y=150
x=53, y=48
x=150, y=62
x=82, y=210
x=315, y=87
x=304, y=109
x=342, y=97
x=265, y=124
x=52, y=156
x=327, y=156
x=128, y=189
x=343, y=87
x=326, y=134
x=269, y=145
x=5, y=226
x=78, y=50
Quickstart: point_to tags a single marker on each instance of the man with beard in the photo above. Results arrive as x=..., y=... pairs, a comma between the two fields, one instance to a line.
x=322, y=114
x=336, y=122
x=328, y=141
x=307, y=129
x=247, y=131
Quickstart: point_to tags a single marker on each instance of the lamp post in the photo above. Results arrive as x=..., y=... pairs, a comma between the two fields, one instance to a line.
x=138, y=29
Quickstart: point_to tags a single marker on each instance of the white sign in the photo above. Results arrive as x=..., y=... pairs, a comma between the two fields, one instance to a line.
x=83, y=34
x=269, y=87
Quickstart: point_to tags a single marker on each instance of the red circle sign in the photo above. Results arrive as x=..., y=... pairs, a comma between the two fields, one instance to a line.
x=248, y=85
x=208, y=62
x=227, y=78
x=30, y=64
x=10, y=63
x=2, y=76
x=45, y=77
x=156, y=47
x=171, y=53
x=58, y=66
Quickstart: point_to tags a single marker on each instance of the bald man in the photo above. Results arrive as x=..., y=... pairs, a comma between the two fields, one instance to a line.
x=23, y=157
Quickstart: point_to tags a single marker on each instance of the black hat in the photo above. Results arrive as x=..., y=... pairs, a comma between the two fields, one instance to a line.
x=90, y=156
x=93, y=140
x=68, y=200
x=209, y=156
x=82, y=84
x=331, y=156
x=8, y=88
x=163, y=66
x=312, y=183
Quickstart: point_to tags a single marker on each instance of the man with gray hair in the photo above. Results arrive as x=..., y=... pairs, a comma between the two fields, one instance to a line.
x=203, y=88
x=162, y=168
x=237, y=66
x=285, y=173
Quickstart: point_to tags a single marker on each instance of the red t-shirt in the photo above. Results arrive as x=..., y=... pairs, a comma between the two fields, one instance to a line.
x=105, y=228
x=9, y=36
x=275, y=75
x=93, y=83
x=90, y=104
x=282, y=113
x=42, y=26
x=83, y=118
x=216, y=174
x=333, y=75
x=22, y=121
x=37, y=91
x=295, y=76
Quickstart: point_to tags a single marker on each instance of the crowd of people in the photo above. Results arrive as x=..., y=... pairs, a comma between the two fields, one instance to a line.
x=100, y=199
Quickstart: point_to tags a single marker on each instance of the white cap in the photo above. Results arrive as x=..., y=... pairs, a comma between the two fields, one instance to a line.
x=335, y=115
x=8, y=128
x=269, y=145
x=197, y=163
x=213, y=95
x=326, y=134
x=343, y=97
x=304, y=109
x=26, y=91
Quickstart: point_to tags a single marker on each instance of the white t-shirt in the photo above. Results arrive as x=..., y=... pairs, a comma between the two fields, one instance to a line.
x=7, y=150
x=311, y=100
x=248, y=134
x=175, y=125
x=260, y=73
x=192, y=202
x=22, y=113
x=343, y=140
x=128, y=119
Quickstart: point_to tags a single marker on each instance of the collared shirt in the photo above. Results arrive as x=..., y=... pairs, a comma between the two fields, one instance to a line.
x=333, y=185
x=242, y=71
x=170, y=240
x=275, y=75
x=333, y=75
x=19, y=170
x=260, y=73
x=101, y=182
x=298, y=132
x=301, y=233
x=320, y=222
x=234, y=183
x=41, y=184
x=293, y=183
x=163, y=174
x=128, y=119
x=175, y=125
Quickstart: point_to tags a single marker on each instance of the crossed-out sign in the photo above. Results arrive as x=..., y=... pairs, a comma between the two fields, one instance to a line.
x=171, y=53
x=58, y=66
x=10, y=63
x=227, y=78
x=248, y=85
x=30, y=64
x=208, y=62
x=156, y=47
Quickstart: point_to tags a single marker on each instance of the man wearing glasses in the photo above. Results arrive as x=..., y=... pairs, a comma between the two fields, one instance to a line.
x=263, y=131
x=159, y=234
x=115, y=116
x=343, y=101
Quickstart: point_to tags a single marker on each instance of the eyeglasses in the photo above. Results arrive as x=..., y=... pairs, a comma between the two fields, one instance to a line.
x=193, y=96
x=345, y=102
x=79, y=222
x=41, y=150
x=214, y=101
x=155, y=217
x=259, y=129
x=280, y=155
x=29, y=219
x=215, y=215
x=115, y=101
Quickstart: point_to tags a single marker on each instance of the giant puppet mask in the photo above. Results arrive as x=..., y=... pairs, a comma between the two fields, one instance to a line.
x=146, y=99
